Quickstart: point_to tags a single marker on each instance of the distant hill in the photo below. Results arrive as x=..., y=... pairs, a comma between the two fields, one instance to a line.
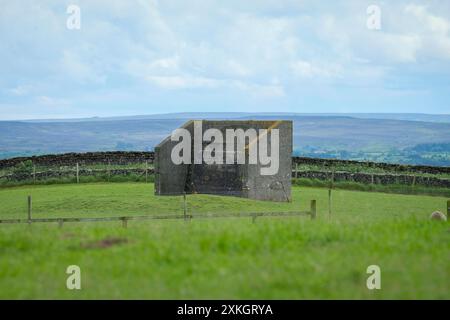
x=328, y=136
x=445, y=118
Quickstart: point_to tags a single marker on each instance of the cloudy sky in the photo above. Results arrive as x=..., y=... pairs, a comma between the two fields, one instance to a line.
x=146, y=57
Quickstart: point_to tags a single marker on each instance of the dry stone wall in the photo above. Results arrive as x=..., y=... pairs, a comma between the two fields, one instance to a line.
x=70, y=159
x=404, y=174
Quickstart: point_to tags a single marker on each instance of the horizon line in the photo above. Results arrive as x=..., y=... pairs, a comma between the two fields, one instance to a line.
x=224, y=112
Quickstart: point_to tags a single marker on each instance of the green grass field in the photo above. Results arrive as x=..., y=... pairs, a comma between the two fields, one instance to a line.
x=274, y=258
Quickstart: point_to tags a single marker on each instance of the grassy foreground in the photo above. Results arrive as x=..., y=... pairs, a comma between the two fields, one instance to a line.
x=274, y=258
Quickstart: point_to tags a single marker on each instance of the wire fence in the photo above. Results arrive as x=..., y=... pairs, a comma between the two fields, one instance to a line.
x=312, y=213
x=144, y=172
x=373, y=178
x=34, y=174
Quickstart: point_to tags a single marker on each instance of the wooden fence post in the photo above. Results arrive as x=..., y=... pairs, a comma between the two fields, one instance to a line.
x=29, y=208
x=332, y=179
x=296, y=170
x=109, y=170
x=329, y=192
x=184, y=206
x=34, y=174
x=313, y=209
x=329, y=202
x=448, y=209
x=146, y=171
x=78, y=173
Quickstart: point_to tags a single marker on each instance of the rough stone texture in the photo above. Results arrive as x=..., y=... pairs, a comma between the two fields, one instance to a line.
x=381, y=165
x=243, y=180
x=170, y=179
x=122, y=157
x=52, y=174
x=70, y=159
x=367, y=178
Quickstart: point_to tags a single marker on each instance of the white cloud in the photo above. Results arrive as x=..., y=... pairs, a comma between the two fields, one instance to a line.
x=51, y=102
x=401, y=48
x=237, y=68
x=182, y=82
x=434, y=23
x=413, y=34
x=193, y=82
x=21, y=90
x=258, y=90
x=143, y=69
x=307, y=69
x=166, y=63
x=73, y=66
x=228, y=48
x=434, y=35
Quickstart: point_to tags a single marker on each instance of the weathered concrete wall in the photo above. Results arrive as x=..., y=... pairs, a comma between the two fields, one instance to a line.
x=273, y=187
x=244, y=180
x=170, y=179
